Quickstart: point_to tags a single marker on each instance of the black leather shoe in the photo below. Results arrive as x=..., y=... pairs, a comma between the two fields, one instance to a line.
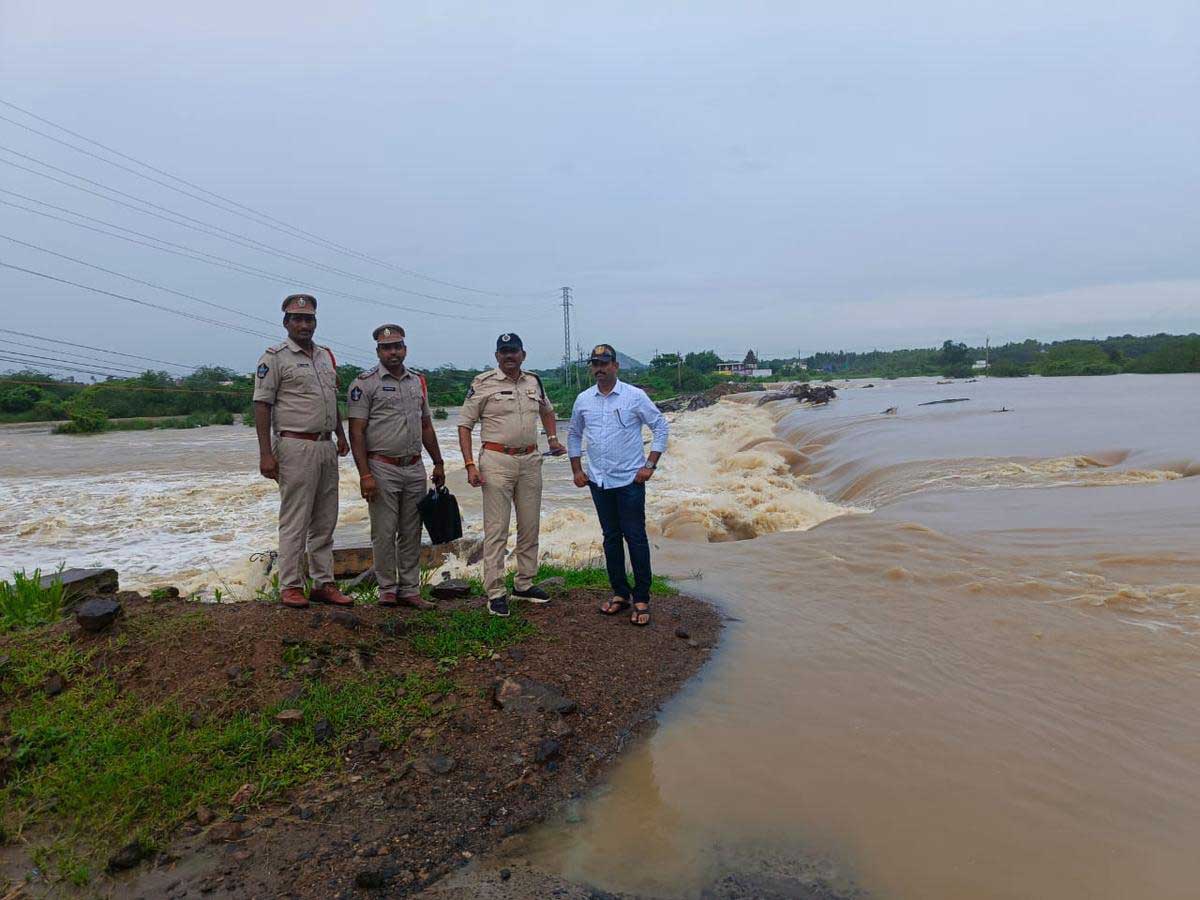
x=533, y=595
x=498, y=606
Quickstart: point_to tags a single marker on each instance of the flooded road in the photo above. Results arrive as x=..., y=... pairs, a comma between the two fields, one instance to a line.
x=963, y=659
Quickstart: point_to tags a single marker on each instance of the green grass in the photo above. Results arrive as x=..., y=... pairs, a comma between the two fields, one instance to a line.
x=24, y=603
x=102, y=768
x=593, y=577
x=451, y=636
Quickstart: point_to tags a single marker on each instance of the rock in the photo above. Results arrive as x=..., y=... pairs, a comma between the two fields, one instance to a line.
x=233, y=673
x=54, y=685
x=682, y=633
x=546, y=750
x=350, y=559
x=289, y=717
x=552, y=585
x=241, y=795
x=371, y=745
x=205, y=816
x=346, y=619
x=223, y=832
x=317, y=620
x=195, y=719
x=322, y=731
x=372, y=879
x=695, y=645
x=819, y=395
x=127, y=857
x=435, y=764
x=5, y=661
x=560, y=728
x=516, y=693
x=276, y=741
x=97, y=614
x=505, y=874
x=79, y=583
x=453, y=589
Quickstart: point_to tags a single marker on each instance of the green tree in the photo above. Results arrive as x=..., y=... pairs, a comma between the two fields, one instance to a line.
x=955, y=360
x=703, y=361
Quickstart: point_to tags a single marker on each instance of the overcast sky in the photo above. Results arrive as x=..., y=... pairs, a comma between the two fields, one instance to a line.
x=789, y=177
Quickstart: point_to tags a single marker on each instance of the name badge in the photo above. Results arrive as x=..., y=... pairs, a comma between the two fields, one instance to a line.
x=389, y=387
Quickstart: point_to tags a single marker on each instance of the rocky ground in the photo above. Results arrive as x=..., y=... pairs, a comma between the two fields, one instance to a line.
x=499, y=739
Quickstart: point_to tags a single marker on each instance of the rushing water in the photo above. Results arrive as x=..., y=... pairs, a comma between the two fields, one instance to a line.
x=963, y=661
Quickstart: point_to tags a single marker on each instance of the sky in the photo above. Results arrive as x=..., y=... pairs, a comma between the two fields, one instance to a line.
x=787, y=177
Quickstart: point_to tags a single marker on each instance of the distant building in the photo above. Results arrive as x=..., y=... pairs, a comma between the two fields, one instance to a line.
x=748, y=367
x=979, y=364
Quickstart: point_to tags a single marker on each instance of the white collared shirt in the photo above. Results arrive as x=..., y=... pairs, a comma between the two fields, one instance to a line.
x=613, y=423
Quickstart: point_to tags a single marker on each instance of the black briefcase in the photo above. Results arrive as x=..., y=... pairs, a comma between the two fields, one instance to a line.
x=439, y=512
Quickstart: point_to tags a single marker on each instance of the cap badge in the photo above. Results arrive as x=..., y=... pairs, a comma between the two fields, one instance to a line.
x=387, y=332
x=300, y=301
x=506, y=337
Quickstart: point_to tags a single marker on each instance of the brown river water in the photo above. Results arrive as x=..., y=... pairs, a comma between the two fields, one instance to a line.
x=963, y=655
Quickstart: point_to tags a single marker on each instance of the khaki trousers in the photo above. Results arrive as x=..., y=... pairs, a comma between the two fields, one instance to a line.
x=308, y=509
x=510, y=481
x=396, y=526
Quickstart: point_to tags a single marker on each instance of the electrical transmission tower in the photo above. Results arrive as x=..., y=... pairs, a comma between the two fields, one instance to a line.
x=566, y=335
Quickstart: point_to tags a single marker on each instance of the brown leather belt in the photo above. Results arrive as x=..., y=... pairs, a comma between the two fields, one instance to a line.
x=306, y=435
x=395, y=460
x=511, y=451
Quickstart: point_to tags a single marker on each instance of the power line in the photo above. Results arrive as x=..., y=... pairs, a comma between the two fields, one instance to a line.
x=38, y=337
x=220, y=261
x=65, y=367
x=52, y=359
x=270, y=221
x=208, y=228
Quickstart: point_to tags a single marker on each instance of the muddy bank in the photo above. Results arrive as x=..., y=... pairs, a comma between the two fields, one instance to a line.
x=491, y=741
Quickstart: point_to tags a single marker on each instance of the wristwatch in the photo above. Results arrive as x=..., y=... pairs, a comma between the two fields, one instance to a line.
x=650, y=465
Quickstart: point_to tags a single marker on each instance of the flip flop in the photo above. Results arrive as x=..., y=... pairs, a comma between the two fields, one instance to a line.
x=638, y=613
x=614, y=606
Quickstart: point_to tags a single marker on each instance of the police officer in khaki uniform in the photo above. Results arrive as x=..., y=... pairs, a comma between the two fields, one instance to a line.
x=389, y=422
x=508, y=403
x=295, y=400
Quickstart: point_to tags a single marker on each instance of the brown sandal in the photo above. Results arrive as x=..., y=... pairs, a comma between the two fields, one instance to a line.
x=639, y=613
x=613, y=606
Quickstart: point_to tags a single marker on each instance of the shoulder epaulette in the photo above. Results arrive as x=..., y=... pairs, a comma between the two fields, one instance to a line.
x=277, y=347
x=541, y=387
x=368, y=373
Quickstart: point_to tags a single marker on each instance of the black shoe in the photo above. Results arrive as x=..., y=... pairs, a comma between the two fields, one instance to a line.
x=498, y=606
x=533, y=595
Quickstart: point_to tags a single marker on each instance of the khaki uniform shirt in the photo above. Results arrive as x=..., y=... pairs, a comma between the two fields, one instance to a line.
x=508, y=411
x=301, y=389
x=393, y=408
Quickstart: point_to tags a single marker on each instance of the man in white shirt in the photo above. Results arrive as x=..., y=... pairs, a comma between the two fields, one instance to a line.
x=611, y=415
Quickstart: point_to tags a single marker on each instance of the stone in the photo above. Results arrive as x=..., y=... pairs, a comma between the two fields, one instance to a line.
x=682, y=633
x=322, y=731
x=97, y=614
x=289, y=717
x=505, y=874
x=242, y=794
x=695, y=645
x=128, y=857
x=223, y=832
x=552, y=585
x=518, y=694
x=546, y=750
x=346, y=619
x=351, y=558
x=79, y=583
x=276, y=741
x=372, y=879
x=205, y=816
x=435, y=764
x=560, y=728
x=371, y=745
x=451, y=589
x=54, y=684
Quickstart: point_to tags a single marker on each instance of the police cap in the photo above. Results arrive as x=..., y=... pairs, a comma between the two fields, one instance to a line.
x=305, y=304
x=509, y=341
x=603, y=353
x=388, y=334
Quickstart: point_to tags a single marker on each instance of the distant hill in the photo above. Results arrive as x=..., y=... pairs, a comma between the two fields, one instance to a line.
x=629, y=364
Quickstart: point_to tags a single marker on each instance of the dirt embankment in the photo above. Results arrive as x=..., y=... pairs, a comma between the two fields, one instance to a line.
x=430, y=738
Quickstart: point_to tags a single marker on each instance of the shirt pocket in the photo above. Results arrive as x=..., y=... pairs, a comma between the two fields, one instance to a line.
x=301, y=380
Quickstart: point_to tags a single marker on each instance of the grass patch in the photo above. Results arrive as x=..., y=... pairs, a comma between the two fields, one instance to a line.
x=451, y=636
x=101, y=768
x=593, y=577
x=24, y=603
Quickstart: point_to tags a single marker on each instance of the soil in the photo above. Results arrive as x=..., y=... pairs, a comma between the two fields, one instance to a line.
x=395, y=822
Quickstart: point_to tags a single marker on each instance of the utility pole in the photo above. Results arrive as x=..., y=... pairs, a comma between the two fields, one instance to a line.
x=566, y=292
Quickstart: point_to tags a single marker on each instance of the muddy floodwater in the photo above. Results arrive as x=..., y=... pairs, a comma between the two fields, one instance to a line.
x=963, y=659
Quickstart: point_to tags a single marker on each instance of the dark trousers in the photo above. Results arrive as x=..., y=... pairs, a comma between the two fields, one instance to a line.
x=622, y=513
